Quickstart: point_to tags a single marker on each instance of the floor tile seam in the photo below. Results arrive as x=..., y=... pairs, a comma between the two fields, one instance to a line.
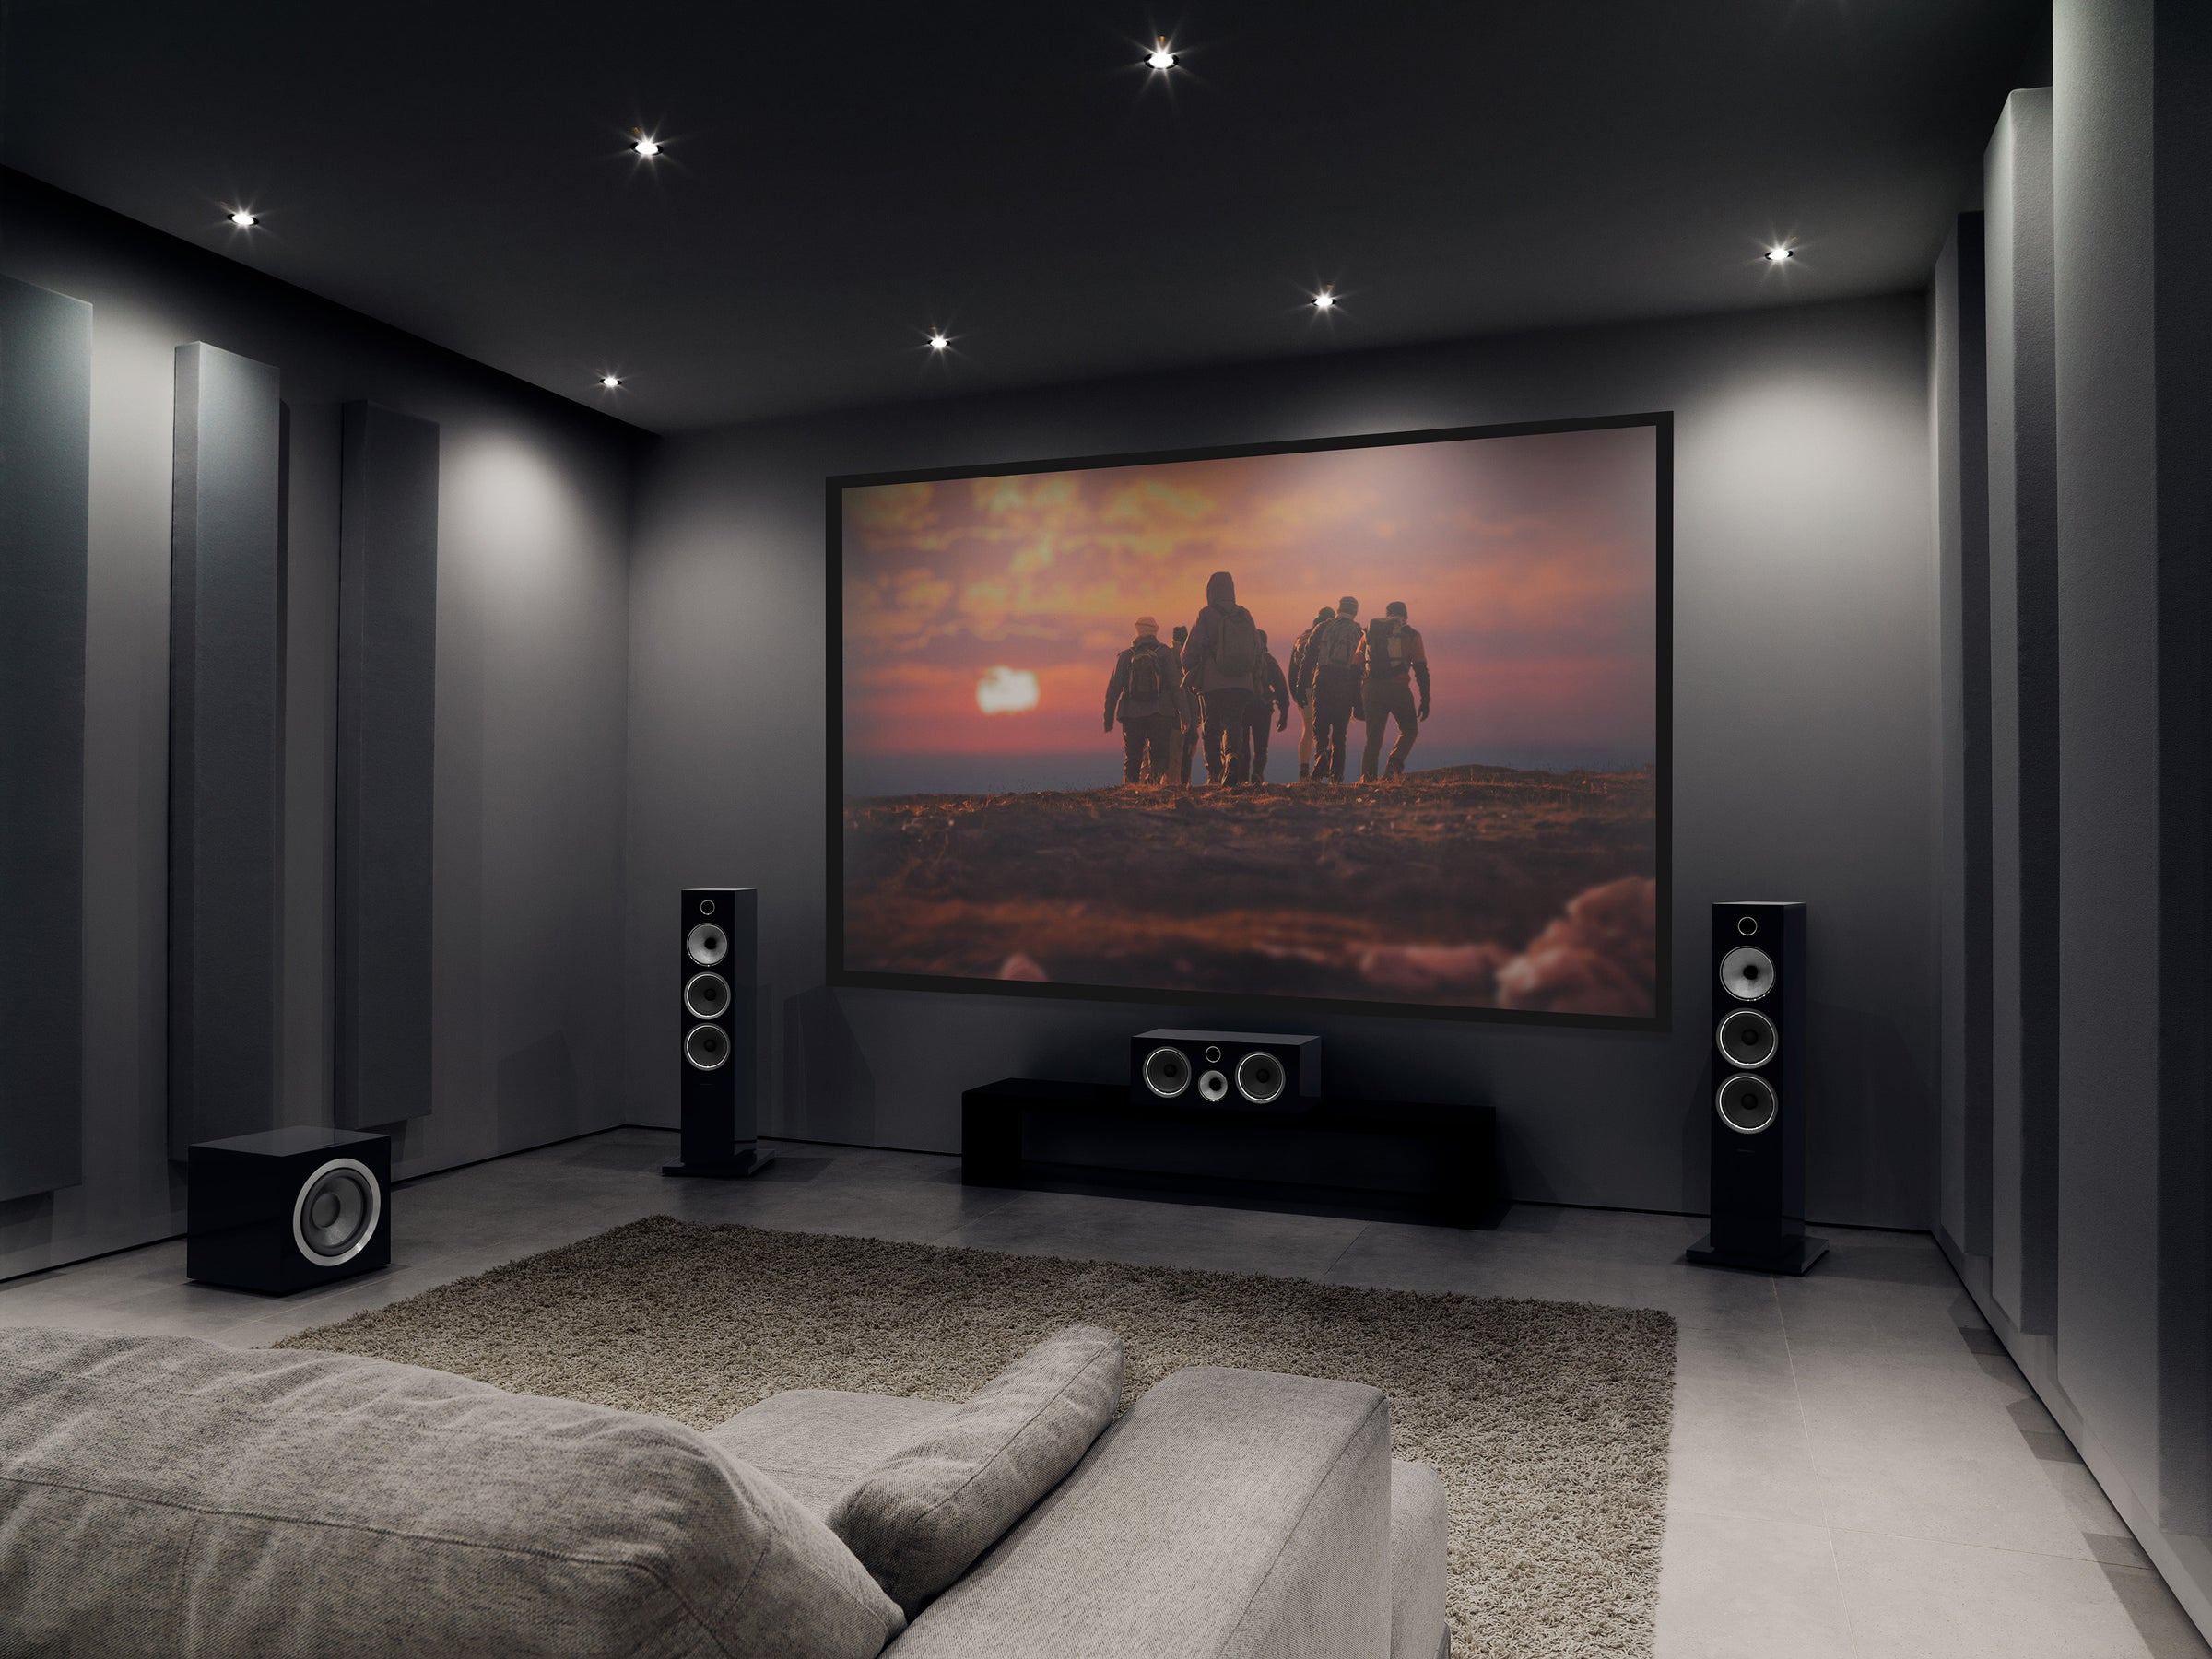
x=2004, y=1549
x=945, y=1239
x=1324, y=1276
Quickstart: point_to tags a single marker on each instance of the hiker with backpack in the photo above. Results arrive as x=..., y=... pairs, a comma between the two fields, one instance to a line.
x=1394, y=656
x=1220, y=664
x=1301, y=693
x=1145, y=694
x=1333, y=653
x=1270, y=699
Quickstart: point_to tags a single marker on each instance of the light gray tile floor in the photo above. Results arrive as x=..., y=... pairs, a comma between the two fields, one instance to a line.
x=1857, y=1468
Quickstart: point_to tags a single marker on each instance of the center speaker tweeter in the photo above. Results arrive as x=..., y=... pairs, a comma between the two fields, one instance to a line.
x=1760, y=1082
x=719, y=973
x=1226, y=1071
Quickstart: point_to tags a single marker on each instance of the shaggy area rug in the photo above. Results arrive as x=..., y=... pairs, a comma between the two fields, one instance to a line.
x=1549, y=1420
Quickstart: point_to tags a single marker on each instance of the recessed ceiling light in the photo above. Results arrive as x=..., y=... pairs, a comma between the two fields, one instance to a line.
x=1779, y=254
x=610, y=381
x=938, y=342
x=1160, y=57
x=243, y=220
x=646, y=144
x=1324, y=301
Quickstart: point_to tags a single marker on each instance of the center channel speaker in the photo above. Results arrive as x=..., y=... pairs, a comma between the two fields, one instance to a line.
x=718, y=978
x=1759, y=1086
x=288, y=1208
x=1225, y=1071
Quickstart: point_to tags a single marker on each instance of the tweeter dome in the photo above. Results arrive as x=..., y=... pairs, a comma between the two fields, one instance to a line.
x=1244, y=1071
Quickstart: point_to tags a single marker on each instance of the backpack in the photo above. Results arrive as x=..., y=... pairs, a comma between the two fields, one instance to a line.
x=1340, y=643
x=1239, y=650
x=1145, y=678
x=1386, y=646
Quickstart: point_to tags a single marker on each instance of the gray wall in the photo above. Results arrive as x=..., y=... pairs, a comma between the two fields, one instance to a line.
x=534, y=512
x=1806, y=723
x=2115, y=1343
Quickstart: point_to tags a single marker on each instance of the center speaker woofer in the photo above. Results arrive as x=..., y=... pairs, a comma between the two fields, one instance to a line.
x=1759, y=1089
x=1240, y=1071
x=286, y=1208
x=720, y=1021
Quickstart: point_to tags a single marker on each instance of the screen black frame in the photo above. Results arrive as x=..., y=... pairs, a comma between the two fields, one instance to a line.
x=1661, y=1018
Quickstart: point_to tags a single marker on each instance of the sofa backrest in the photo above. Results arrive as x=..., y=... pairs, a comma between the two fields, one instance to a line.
x=164, y=1495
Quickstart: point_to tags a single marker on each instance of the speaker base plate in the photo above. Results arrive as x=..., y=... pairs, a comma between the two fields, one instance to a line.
x=751, y=1161
x=1797, y=1256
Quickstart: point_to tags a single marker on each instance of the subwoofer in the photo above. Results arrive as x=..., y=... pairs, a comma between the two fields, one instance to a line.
x=719, y=1018
x=1757, y=1088
x=1227, y=1071
x=288, y=1208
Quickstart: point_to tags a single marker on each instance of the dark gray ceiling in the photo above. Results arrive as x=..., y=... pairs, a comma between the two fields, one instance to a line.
x=838, y=178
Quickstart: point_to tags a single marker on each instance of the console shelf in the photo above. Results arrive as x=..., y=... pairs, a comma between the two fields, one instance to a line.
x=1437, y=1163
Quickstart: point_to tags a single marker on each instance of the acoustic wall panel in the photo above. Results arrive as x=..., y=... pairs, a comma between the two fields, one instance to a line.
x=226, y=684
x=387, y=676
x=2024, y=796
x=1960, y=400
x=45, y=478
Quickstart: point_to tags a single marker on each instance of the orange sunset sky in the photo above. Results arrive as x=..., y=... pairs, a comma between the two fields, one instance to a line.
x=1528, y=563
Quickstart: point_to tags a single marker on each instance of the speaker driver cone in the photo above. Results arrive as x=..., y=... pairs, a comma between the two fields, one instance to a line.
x=707, y=1047
x=1746, y=1038
x=1214, y=1086
x=336, y=1213
x=1260, y=1078
x=1745, y=1104
x=1746, y=974
x=707, y=995
x=1166, y=1074
x=706, y=944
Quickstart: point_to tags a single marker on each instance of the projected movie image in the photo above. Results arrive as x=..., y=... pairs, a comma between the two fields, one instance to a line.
x=1378, y=724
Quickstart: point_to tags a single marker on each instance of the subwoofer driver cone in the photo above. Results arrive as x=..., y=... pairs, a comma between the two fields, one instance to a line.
x=706, y=944
x=707, y=995
x=1746, y=1104
x=1260, y=1078
x=1746, y=1038
x=1746, y=974
x=1166, y=1074
x=708, y=1047
x=1214, y=1086
x=336, y=1213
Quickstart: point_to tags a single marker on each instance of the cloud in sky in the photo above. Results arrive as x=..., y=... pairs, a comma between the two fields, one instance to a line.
x=1527, y=562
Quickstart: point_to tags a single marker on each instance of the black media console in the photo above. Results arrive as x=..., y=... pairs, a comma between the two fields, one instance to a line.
x=1435, y=1161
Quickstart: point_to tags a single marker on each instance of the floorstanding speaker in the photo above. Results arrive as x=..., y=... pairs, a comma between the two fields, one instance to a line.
x=719, y=1017
x=1759, y=1081
x=283, y=1209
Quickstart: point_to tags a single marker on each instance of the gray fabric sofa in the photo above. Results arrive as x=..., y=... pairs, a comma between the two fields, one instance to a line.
x=161, y=1495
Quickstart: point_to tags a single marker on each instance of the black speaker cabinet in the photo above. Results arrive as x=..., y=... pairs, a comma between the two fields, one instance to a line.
x=719, y=1020
x=1225, y=1071
x=1759, y=1081
x=288, y=1208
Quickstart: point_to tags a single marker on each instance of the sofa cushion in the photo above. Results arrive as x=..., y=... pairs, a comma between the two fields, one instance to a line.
x=925, y=1512
x=167, y=1495
x=1229, y=1514
x=815, y=1442
x=1419, y=1531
